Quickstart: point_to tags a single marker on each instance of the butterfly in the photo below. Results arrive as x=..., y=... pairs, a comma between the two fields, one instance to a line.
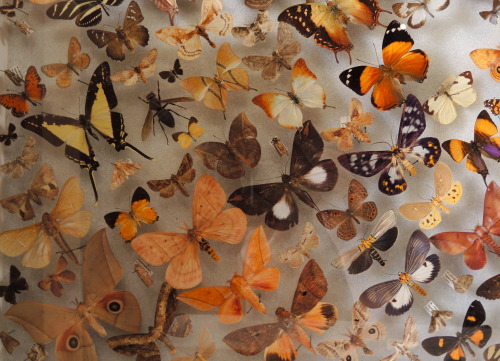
x=487, y=59
x=358, y=259
x=210, y=221
x=306, y=170
x=493, y=105
x=271, y=66
x=288, y=107
x=229, y=157
x=492, y=353
x=493, y=15
x=229, y=77
x=185, y=139
x=400, y=65
x=309, y=240
x=185, y=174
x=86, y=13
x=189, y=38
x=63, y=72
x=307, y=312
x=37, y=353
x=130, y=221
x=347, y=349
x=144, y=272
x=332, y=218
x=396, y=294
x=409, y=342
x=43, y=185
x=10, y=137
x=417, y=12
x=251, y=35
x=53, y=280
x=144, y=344
x=472, y=244
x=121, y=171
x=446, y=192
x=344, y=135
x=258, y=4
x=490, y=289
x=8, y=342
x=172, y=74
x=328, y=22
x=65, y=218
x=33, y=93
x=98, y=117
x=142, y=72
x=279, y=146
x=204, y=350
x=241, y=287
x=438, y=319
x=16, y=285
x=392, y=163
x=27, y=158
x=101, y=301
x=9, y=10
x=473, y=330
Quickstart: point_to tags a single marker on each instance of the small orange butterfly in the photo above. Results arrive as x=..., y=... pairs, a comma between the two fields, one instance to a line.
x=487, y=59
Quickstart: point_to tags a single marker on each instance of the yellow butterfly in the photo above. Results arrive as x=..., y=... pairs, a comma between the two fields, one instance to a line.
x=186, y=139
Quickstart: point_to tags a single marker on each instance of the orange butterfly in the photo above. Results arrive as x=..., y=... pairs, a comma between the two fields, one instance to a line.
x=181, y=249
x=229, y=298
x=400, y=65
x=33, y=93
x=487, y=59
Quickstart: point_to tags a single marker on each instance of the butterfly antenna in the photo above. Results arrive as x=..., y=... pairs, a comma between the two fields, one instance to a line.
x=19, y=9
x=81, y=81
x=371, y=64
x=70, y=250
x=220, y=140
x=376, y=54
x=267, y=179
x=382, y=143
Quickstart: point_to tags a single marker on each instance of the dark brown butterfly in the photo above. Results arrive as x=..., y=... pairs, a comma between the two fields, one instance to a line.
x=8, y=342
x=172, y=74
x=10, y=137
x=124, y=36
x=332, y=218
x=241, y=148
x=17, y=284
x=307, y=312
x=490, y=289
x=9, y=10
x=185, y=174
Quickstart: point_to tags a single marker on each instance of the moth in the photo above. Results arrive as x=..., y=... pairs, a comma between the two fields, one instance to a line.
x=130, y=221
x=205, y=349
x=409, y=342
x=473, y=330
x=101, y=301
x=23, y=27
x=347, y=349
x=493, y=15
x=446, y=192
x=121, y=171
x=492, y=353
x=172, y=74
x=144, y=344
x=306, y=170
x=358, y=259
x=307, y=312
x=462, y=283
x=210, y=221
x=400, y=65
x=53, y=280
x=43, y=186
x=473, y=244
x=185, y=139
x=97, y=119
x=144, y=273
x=28, y=157
x=65, y=218
x=230, y=298
x=417, y=12
x=487, y=59
x=33, y=93
x=189, y=38
x=185, y=175
x=367, y=211
x=279, y=146
x=241, y=148
x=484, y=144
x=37, y=353
x=9, y=10
x=493, y=105
x=251, y=35
x=309, y=240
x=392, y=163
x=16, y=285
x=490, y=289
x=14, y=75
x=271, y=66
x=438, y=319
x=63, y=73
x=141, y=72
x=328, y=22
x=288, y=107
x=454, y=90
x=344, y=135
x=8, y=341
x=86, y=13
x=10, y=137
x=259, y=4
x=396, y=294
x=168, y=6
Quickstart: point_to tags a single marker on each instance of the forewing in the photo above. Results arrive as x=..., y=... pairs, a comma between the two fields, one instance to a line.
x=311, y=288
x=242, y=137
x=250, y=341
x=378, y=295
x=416, y=251
x=365, y=164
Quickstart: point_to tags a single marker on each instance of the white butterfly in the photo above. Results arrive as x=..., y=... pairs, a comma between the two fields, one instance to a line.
x=417, y=11
x=453, y=90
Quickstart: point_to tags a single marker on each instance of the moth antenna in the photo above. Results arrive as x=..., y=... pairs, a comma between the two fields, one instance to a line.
x=383, y=143
x=18, y=9
x=216, y=137
x=71, y=250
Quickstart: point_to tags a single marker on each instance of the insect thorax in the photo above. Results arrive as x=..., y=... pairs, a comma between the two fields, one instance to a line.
x=286, y=320
x=294, y=98
x=49, y=225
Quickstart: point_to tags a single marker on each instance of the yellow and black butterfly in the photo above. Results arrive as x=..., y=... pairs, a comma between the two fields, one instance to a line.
x=98, y=119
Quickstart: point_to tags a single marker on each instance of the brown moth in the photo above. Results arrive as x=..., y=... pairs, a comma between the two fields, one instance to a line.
x=309, y=240
x=121, y=171
x=53, y=280
x=204, y=350
x=185, y=174
x=144, y=272
x=142, y=72
x=27, y=158
x=490, y=289
x=37, y=353
x=255, y=32
x=258, y=4
x=438, y=319
x=462, y=283
x=8, y=342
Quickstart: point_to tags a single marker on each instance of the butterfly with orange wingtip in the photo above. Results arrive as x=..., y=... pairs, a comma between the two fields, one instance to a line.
x=189, y=38
x=142, y=72
x=288, y=107
x=27, y=158
x=121, y=171
x=400, y=65
x=185, y=139
x=241, y=287
x=417, y=11
x=53, y=280
x=487, y=59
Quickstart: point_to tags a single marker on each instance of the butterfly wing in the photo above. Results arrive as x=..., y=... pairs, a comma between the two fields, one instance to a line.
x=493, y=105
x=281, y=106
x=311, y=288
x=251, y=340
x=242, y=138
x=491, y=218
x=121, y=171
x=487, y=59
x=490, y=289
x=215, y=155
x=492, y=353
x=303, y=85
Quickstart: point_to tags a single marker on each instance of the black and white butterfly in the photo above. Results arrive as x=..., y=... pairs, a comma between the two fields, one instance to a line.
x=393, y=162
x=396, y=294
x=173, y=74
x=10, y=137
x=306, y=170
x=87, y=12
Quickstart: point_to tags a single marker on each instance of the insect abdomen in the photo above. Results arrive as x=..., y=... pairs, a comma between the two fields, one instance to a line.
x=204, y=246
